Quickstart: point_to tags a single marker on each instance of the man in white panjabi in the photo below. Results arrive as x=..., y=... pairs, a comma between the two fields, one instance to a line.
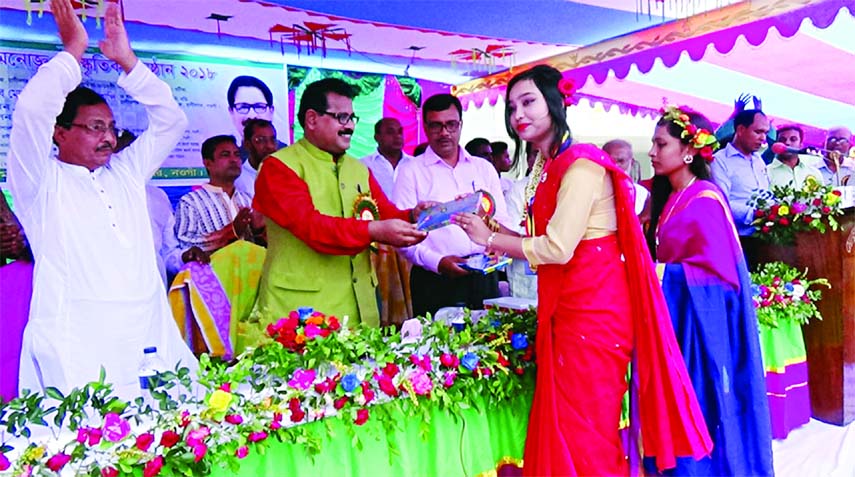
x=98, y=298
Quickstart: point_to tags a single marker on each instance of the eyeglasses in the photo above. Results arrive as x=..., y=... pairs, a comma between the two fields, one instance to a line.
x=98, y=128
x=837, y=139
x=342, y=118
x=264, y=140
x=436, y=127
x=243, y=108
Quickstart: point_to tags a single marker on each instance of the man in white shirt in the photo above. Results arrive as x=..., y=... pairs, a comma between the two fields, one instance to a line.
x=98, y=299
x=788, y=169
x=444, y=172
x=393, y=271
x=383, y=163
x=259, y=141
x=217, y=214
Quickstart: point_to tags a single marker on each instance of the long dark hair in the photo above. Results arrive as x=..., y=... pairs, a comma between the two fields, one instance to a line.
x=546, y=80
x=661, y=185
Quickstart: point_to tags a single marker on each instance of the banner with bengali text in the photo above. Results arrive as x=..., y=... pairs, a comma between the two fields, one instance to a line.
x=199, y=84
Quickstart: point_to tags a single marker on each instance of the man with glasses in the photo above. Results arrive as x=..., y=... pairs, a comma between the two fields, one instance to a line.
x=259, y=141
x=839, y=140
x=323, y=210
x=249, y=98
x=98, y=297
x=444, y=172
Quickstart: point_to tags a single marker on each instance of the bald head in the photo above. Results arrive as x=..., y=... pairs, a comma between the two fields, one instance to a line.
x=621, y=152
x=839, y=139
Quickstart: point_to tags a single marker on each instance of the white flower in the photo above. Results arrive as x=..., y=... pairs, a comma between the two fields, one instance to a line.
x=798, y=291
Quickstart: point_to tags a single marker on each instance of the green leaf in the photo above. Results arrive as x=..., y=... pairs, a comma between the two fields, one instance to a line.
x=54, y=393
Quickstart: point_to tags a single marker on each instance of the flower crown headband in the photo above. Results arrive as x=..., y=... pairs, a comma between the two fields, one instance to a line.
x=699, y=138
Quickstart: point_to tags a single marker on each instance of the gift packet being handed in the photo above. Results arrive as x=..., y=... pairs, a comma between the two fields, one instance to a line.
x=440, y=215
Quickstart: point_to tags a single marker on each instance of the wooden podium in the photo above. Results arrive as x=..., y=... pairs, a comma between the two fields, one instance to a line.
x=831, y=342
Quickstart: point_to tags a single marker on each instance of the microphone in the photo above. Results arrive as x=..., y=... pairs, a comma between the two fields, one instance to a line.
x=781, y=148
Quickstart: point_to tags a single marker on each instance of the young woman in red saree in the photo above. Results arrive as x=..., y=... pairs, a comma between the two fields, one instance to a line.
x=587, y=245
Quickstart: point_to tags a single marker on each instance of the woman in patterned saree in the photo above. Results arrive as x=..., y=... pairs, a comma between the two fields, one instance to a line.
x=587, y=246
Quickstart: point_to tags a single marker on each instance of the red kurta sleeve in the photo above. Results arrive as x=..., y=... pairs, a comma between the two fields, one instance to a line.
x=283, y=197
x=386, y=207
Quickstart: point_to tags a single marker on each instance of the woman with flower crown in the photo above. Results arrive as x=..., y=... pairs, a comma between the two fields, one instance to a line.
x=708, y=290
x=587, y=245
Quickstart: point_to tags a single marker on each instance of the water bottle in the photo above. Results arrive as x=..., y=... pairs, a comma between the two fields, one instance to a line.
x=150, y=367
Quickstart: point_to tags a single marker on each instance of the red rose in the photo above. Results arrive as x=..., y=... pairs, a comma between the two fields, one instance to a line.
x=784, y=221
x=144, y=441
x=325, y=332
x=519, y=371
x=340, y=402
x=367, y=392
x=294, y=404
x=765, y=229
x=333, y=324
x=298, y=415
x=227, y=387
x=691, y=129
x=387, y=386
x=361, y=417
x=502, y=360
x=528, y=354
x=109, y=472
x=567, y=87
x=759, y=213
x=826, y=210
x=234, y=419
x=390, y=370
x=837, y=193
x=169, y=438
x=817, y=202
x=153, y=467
x=257, y=436
x=707, y=152
x=58, y=461
x=775, y=208
x=807, y=219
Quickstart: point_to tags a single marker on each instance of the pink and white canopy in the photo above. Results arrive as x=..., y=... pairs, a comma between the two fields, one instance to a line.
x=801, y=63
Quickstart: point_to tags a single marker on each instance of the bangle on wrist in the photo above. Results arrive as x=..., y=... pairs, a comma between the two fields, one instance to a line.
x=489, y=245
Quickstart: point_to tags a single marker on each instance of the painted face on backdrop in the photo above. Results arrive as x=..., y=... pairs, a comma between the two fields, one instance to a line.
x=529, y=112
x=225, y=166
x=443, y=131
x=331, y=135
x=249, y=103
x=667, y=152
x=91, y=139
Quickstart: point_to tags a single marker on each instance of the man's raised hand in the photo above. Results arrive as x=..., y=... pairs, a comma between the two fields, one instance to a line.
x=115, y=44
x=71, y=32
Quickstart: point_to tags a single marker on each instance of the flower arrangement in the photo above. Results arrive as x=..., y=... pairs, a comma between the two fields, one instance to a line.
x=302, y=325
x=332, y=372
x=787, y=210
x=781, y=292
x=701, y=139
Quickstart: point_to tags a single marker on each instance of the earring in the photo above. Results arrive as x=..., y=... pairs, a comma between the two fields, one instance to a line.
x=688, y=159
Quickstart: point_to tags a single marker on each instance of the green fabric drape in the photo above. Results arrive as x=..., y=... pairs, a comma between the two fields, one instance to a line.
x=368, y=104
x=411, y=89
x=453, y=447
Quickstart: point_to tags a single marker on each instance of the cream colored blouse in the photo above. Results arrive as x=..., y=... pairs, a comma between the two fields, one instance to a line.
x=585, y=210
